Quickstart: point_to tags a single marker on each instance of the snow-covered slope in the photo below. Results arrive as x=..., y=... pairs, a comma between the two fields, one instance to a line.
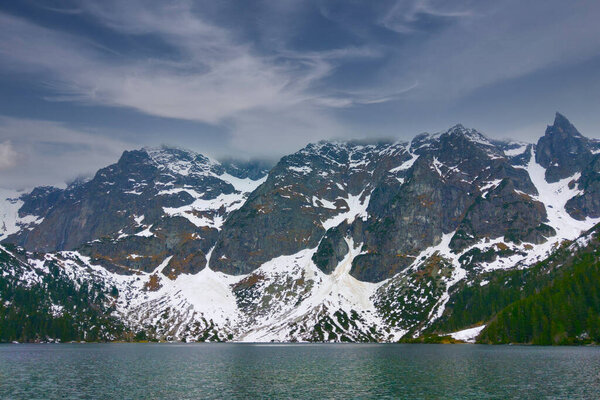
x=10, y=220
x=153, y=203
x=338, y=242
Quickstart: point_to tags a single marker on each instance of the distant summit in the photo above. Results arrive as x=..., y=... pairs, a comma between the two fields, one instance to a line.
x=562, y=150
x=339, y=241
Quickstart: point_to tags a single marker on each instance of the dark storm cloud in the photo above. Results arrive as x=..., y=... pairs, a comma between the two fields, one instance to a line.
x=263, y=78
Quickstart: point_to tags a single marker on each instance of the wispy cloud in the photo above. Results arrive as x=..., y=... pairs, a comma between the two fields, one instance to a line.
x=365, y=97
x=215, y=78
x=271, y=76
x=489, y=42
x=403, y=15
x=37, y=152
x=8, y=155
x=60, y=10
x=211, y=82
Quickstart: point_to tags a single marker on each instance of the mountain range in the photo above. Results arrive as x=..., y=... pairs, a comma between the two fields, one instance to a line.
x=449, y=236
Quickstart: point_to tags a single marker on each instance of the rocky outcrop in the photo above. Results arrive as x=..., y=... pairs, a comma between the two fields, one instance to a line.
x=332, y=249
x=394, y=200
x=562, y=150
x=587, y=203
x=451, y=170
x=503, y=212
x=323, y=184
x=151, y=204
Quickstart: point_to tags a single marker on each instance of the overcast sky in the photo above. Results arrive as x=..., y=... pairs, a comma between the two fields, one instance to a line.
x=81, y=81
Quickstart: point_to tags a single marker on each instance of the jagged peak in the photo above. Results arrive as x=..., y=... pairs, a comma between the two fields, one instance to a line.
x=350, y=153
x=457, y=127
x=472, y=135
x=350, y=143
x=350, y=146
x=458, y=130
x=161, y=153
x=560, y=119
x=562, y=125
x=181, y=161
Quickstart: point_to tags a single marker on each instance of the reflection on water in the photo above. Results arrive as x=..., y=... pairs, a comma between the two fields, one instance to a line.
x=193, y=371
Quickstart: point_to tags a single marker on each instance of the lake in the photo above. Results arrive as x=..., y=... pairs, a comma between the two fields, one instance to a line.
x=298, y=371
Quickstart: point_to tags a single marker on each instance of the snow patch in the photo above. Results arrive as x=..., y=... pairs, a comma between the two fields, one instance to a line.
x=245, y=185
x=323, y=203
x=554, y=196
x=330, y=293
x=145, y=233
x=468, y=335
x=356, y=209
x=210, y=213
x=405, y=165
x=515, y=152
x=10, y=221
x=305, y=170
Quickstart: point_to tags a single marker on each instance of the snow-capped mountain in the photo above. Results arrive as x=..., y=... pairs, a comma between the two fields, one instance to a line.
x=340, y=241
x=151, y=204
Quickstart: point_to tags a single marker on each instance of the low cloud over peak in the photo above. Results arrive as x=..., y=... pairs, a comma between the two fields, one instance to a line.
x=264, y=79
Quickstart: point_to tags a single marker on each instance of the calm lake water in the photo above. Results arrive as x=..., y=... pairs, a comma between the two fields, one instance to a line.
x=336, y=371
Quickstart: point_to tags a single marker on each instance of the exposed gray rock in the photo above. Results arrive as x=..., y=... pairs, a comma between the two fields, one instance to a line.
x=118, y=217
x=503, y=212
x=440, y=187
x=563, y=151
x=587, y=204
x=332, y=249
x=305, y=189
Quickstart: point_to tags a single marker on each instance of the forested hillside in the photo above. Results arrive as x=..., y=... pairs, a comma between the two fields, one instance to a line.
x=566, y=311
x=556, y=301
x=43, y=305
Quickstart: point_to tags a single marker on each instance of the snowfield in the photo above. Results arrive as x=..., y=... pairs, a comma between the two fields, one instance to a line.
x=287, y=297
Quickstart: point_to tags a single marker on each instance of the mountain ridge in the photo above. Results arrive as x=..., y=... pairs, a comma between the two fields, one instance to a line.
x=340, y=241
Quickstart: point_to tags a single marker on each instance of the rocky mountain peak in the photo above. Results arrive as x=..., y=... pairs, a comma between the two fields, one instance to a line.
x=375, y=235
x=563, y=126
x=456, y=137
x=472, y=135
x=184, y=162
x=181, y=162
x=562, y=150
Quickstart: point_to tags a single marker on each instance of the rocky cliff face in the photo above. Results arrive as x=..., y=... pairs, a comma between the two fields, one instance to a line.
x=562, y=150
x=396, y=199
x=305, y=194
x=339, y=241
x=450, y=172
x=587, y=202
x=151, y=204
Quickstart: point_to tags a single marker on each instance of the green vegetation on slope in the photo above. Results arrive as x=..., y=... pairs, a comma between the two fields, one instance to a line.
x=567, y=311
x=55, y=307
x=475, y=303
x=556, y=301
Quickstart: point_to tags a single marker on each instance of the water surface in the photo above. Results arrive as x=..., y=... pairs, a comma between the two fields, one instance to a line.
x=298, y=371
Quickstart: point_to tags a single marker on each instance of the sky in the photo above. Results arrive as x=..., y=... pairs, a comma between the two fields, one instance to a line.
x=82, y=81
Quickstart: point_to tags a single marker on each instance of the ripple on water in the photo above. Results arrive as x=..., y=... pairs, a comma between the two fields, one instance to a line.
x=191, y=371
